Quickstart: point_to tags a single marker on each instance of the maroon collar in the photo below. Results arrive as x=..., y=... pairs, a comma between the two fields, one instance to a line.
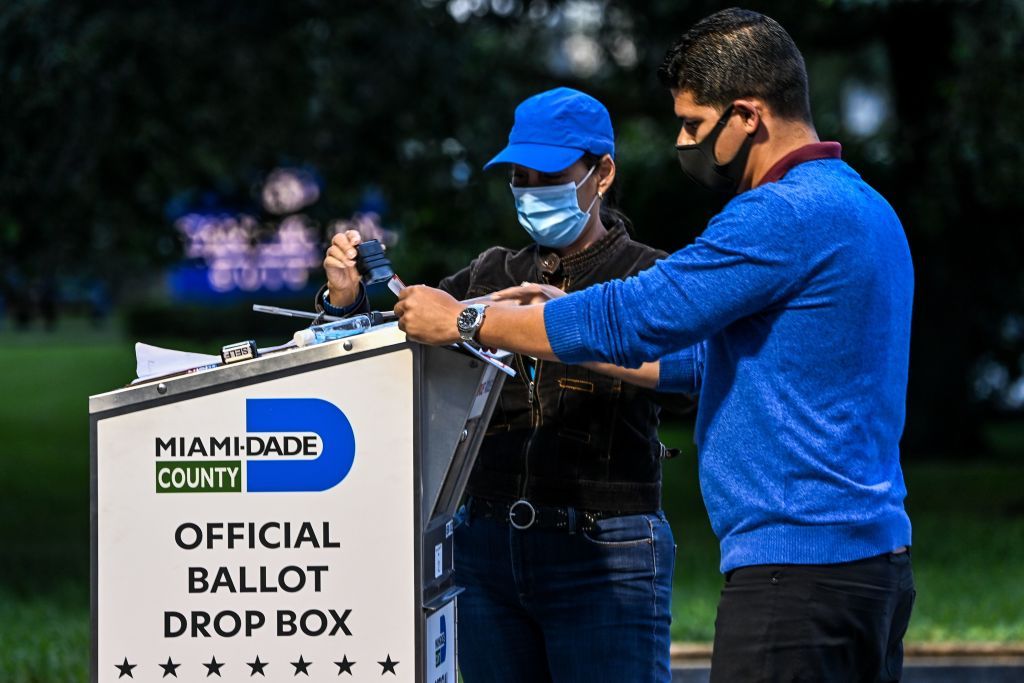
x=811, y=152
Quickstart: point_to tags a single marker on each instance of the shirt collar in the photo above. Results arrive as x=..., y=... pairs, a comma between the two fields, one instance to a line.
x=811, y=152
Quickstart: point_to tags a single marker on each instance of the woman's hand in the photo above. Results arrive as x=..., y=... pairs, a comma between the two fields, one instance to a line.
x=340, y=265
x=527, y=294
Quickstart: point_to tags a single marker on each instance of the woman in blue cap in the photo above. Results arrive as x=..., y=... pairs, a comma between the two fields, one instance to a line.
x=564, y=552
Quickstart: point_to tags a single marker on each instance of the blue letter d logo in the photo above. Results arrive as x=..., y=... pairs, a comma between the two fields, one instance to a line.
x=300, y=415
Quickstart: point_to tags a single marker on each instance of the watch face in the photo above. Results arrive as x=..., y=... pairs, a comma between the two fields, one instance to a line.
x=467, y=318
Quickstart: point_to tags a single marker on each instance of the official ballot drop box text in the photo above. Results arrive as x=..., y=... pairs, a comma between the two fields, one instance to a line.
x=288, y=516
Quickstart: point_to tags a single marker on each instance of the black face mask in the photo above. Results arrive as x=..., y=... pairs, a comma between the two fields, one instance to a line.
x=699, y=163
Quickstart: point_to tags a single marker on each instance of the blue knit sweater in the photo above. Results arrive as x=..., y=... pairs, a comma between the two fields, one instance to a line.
x=790, y=315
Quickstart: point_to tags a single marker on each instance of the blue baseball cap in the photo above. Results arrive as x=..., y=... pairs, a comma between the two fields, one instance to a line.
x=553, y=129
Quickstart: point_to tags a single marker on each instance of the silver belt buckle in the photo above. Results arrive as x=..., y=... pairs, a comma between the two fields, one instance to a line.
x=512, y=514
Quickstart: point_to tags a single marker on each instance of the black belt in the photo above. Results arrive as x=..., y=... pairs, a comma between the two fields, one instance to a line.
x=523, y=515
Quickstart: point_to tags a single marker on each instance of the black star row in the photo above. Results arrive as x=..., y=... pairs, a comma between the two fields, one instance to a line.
x=213, y=667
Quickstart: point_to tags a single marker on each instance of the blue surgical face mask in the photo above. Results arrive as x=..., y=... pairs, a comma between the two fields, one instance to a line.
x=552, y=214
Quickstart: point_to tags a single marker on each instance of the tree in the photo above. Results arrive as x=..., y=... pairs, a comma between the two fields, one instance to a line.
x=113, y=115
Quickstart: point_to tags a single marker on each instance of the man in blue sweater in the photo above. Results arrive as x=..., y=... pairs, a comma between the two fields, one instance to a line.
x=790, y=317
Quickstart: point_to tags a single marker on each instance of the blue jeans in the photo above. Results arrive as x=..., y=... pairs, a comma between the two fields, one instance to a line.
x=546, y=605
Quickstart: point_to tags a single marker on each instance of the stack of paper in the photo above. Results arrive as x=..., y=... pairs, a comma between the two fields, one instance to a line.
x=153, y=361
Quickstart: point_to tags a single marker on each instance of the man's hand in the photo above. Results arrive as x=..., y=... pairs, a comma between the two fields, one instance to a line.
x=340, y=265
x=527, y=294
x=428, y=315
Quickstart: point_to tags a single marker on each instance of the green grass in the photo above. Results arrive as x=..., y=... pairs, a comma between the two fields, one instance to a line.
x=968, y=550
x=968, y=518
x=44, y=638
x=44, y=496
x=44, y=420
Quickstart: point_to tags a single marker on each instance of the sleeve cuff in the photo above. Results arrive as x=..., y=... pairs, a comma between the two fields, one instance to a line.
x=678, y=372
x=563, y=322
x=360, y=305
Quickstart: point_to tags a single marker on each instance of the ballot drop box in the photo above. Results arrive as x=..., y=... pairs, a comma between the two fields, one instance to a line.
x=287, y=517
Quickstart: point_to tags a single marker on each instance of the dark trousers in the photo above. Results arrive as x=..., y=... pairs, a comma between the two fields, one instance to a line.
x=835, y=622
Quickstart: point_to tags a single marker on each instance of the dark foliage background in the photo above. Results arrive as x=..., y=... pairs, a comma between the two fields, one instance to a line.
x=112, y=114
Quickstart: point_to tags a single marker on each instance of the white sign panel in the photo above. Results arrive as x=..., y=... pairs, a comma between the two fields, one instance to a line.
x=440, y=648
x=261, y=531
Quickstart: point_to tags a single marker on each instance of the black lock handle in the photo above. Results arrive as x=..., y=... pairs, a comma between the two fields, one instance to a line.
x=372, y=264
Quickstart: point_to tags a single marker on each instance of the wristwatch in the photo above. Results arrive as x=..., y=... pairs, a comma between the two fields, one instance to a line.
x=470, y=320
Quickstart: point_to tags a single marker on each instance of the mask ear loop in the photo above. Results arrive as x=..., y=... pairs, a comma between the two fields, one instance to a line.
x=726, y=115
x=715, y=131
x=584, y=179
x=597, y=196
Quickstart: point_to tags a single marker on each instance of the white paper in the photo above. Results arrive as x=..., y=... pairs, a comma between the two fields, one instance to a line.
x=154, y=361
x=483, y=390
x=396, y=285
